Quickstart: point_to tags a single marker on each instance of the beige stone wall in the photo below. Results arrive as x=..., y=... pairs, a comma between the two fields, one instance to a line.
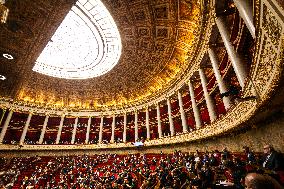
x=270, y=131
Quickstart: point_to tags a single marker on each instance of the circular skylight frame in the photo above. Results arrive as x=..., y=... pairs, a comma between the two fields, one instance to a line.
x=98, y=55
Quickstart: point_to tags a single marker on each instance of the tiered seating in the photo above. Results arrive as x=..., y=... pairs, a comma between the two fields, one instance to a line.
x=177, y=170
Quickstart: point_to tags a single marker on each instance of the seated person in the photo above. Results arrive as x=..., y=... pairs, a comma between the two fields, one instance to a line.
x=259, y=181
x=272, y=160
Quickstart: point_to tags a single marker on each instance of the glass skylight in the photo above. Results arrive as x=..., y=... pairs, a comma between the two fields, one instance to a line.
x=87, y=44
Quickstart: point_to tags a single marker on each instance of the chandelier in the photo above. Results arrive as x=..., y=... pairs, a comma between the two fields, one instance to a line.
x=3, y=12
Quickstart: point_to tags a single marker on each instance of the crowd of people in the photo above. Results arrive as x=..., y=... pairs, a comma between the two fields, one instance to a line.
x=177, y=170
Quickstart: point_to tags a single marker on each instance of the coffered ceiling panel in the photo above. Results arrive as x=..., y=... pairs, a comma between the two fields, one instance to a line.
x=157, y=38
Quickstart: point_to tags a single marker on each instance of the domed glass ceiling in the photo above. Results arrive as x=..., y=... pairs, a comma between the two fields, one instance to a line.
x=87, y=44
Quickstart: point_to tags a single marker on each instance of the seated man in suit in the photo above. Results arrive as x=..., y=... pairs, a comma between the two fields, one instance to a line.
x=273, y=160
x=273, y=163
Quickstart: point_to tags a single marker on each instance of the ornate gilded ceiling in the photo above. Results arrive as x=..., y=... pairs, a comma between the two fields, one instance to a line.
x=157, y=38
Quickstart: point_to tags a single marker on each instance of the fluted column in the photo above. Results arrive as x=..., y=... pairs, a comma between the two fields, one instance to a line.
x=136, y=126
x=60, y=129
x=43, y=129
x=74, y=131
x=147, y=124
x=245, y=9
x=25, y=130
x=237, y=63
x=182, y=114
x=124, y=127
x=208, y=98
x=220, y=81
x=5, y=126
x=195, y=109
x=2, y=116
x=160, y=132
x=172, y=128
x=112, y=129
x=101, y=130
x=88, y=130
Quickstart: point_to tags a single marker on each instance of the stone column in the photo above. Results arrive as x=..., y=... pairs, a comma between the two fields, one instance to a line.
x=25, y=130
x=88, y=130
x=112, y=129
x=208, y=99
x=237, y=63
x=101, y=130
x=43, y=129
x=124, y=127
x=2, y=116
x=5, y=126
x=160, y=132
x=148, y=124
x=172, y=128
x=245, y=9
x=194, y=106
x=136, y=126
x=60, y=129
x=220, y=81
x=74, y=131
x=182, y=114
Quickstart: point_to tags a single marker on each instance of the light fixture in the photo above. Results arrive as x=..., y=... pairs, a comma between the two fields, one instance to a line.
x=2, y=77
x=8, y=56
x=4, y=11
